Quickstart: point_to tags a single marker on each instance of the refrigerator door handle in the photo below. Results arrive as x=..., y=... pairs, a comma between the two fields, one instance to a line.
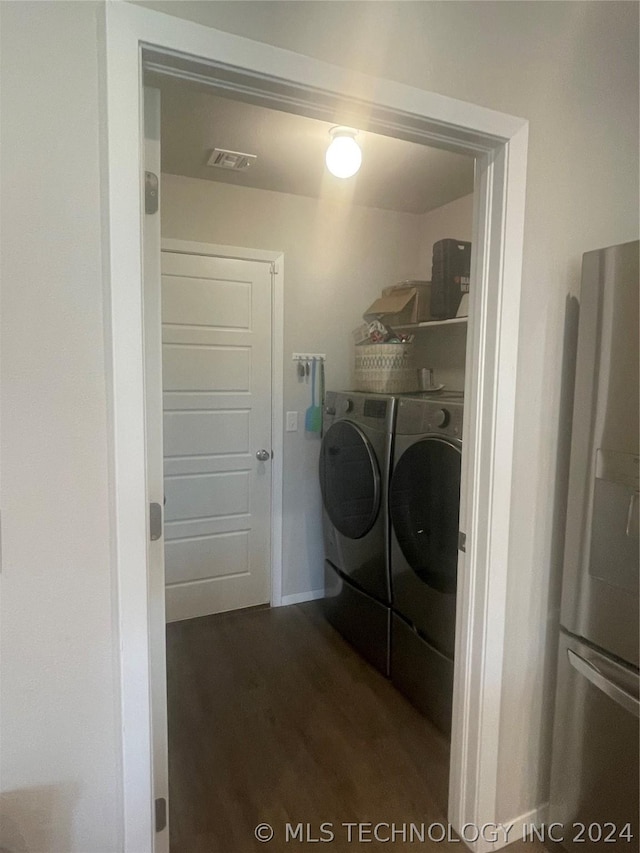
x=606, y=685
x=632, y=516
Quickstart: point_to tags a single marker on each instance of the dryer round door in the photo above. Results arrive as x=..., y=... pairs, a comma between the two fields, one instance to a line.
x=424, y=504
x=349, y=480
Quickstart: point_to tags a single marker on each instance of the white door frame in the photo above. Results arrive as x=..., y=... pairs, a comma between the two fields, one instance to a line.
x=311, y=87
x=276, y=261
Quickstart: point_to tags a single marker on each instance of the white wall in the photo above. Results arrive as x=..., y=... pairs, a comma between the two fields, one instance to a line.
x=59, y=702
x=570, y=68
x=451, y=220
x=337, y=260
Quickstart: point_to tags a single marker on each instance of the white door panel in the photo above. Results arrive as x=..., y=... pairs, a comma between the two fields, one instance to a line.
x=177, y=531
x=224, y=591
x=203, y=400
x=219, y=555
x=211, y=267
x=206, y=432
x=192, y=334
x=203, y=464
x=206, y=367
x=216, y=332
x=187, y=301
x=207, y=495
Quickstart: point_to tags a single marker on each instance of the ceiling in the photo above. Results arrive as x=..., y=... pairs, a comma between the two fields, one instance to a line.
x=395, y=174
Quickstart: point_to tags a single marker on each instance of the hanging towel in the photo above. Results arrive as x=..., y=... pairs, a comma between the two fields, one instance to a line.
x=313, y=415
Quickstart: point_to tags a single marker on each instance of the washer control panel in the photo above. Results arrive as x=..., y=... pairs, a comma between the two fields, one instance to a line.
x=374, y=410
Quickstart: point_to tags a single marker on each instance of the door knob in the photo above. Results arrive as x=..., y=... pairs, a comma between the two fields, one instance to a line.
x=262, y=455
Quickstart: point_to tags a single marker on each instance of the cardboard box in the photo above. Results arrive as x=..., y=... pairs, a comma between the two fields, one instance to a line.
x=402, y=304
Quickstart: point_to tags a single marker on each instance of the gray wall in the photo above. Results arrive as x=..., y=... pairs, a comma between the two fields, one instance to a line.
x=570, y=68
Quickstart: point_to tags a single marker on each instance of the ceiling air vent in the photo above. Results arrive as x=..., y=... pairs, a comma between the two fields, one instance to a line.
x=235, y=160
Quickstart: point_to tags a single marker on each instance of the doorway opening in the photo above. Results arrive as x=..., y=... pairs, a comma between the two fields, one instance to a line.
x=347, y=244
x=498, y=142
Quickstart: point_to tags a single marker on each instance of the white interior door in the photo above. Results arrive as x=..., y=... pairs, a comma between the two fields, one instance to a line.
x=216, y=366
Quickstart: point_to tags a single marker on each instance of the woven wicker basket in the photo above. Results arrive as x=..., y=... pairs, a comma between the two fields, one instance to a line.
x=385, y=368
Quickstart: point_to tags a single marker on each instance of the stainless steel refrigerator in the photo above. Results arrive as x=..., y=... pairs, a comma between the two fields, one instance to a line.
x=594, y=778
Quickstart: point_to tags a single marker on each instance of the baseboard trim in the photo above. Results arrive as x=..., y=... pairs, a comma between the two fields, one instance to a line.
x=300, y=597
x=522, y=825
x=515, y=829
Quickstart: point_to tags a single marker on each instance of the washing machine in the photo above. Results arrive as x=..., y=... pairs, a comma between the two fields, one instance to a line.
x=424, y=500
x=355, y=457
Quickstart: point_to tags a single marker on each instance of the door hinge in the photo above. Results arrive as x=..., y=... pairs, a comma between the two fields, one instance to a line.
x=150, y=192
x=155, y=522
x=274, y=269
x=462, y=542
x=161, y=814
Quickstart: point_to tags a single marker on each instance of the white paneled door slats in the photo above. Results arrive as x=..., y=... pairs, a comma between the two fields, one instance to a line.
x=216, y=378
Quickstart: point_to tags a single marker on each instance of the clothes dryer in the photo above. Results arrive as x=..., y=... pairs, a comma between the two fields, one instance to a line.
x=355, y=457
x=424, y=500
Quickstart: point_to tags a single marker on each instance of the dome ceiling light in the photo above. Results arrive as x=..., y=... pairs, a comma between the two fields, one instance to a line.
x=343, y=157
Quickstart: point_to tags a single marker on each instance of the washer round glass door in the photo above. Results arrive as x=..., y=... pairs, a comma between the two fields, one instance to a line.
x=349, y=479
x=424, y=503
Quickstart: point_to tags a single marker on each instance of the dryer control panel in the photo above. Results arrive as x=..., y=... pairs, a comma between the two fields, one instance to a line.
x=423, y=417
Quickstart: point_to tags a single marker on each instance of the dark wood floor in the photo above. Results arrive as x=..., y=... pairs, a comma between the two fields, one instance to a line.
x=274, y=719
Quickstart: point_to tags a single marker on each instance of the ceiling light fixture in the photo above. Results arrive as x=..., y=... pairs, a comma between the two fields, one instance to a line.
x=343, y=157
